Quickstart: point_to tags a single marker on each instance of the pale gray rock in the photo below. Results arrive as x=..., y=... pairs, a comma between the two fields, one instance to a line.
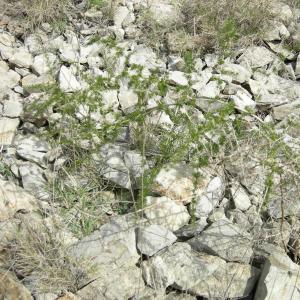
x=44, y=63
x=279, y=279
x=210, y=197
x=7, y=39
x=145, y=57
x=211, y=60
x=225, y=240
x=110, y=99
x=68, y=81
x=240, y=197
x=12, y=107
x=14, y=199
x=152, y=238
x=120, y=15
x=282, y=11
x=176, y=63
x=112, y=249
x=8, y=79
x=190, y=230
x=8, y=129
x=178, y=78
x=238, y=73
x=256, y=57
x=21, y=58
x=229, y=281
x=121, y=166
x=276, y=31
x=33, y=149
x=33, y=180
x=36, y=84
x=283, y=111
x=177, y=181
x=128, y=99
x=179, y=266
x=212, y=89
x=165, y=211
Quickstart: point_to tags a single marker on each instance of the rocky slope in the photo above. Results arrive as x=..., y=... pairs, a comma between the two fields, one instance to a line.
x=192, y=180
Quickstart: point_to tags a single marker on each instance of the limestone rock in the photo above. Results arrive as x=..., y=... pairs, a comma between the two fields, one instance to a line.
x=279, y=279
x=121, y=166
x=177, y=182
x=11, y=288
x=166, y=212
x=240, y=197
x=21, y=58
x=44, y=63
x=128, y=99
x=225, y=240
x=238, y=73
x=14, y=199
x=256, y=57
x=211, y=196
x=152, y=238
x=179, y=266
x=178, y=78
x=8, y=128
x=68, y=81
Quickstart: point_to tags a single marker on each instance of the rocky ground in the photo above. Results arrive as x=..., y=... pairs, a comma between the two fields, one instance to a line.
x=128, y=172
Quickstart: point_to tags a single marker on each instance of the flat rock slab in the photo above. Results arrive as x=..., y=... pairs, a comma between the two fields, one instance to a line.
x=225, y=240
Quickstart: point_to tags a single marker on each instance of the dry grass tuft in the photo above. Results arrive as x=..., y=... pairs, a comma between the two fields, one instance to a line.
x=40, y=11
x=212, y=25
x=39, y=255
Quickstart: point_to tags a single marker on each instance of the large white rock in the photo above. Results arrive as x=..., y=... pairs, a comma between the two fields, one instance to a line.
x=120, y=15
x=33, y=180
x=8, y=78
x=180, y=267
x=211, y=196
x=243, y=102
x=121, y=166
x=212, y=89
x=145, y=57
x=279, y=279
x=44, y=63
x=225, y=240
x=230, y=281
x=238, y=73
x=112, y=249
x=21, y=58
x=165, y=211
x=12, y=107
x=178, y=78
x=68, y=81
x=256, y=57
x=14, y=199
x=8, y=129
x=110, y=99
x=152, y=238
x=128, y=99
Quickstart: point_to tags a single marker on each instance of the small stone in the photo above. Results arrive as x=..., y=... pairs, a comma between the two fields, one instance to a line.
x=8, y=129
x=178, y=78
x=120, y=15
x=153, y=238
x=12, y=108
x=243, y=102
x=128, y=100
x=68, y=81
x=240, y=197
x=238, y=73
